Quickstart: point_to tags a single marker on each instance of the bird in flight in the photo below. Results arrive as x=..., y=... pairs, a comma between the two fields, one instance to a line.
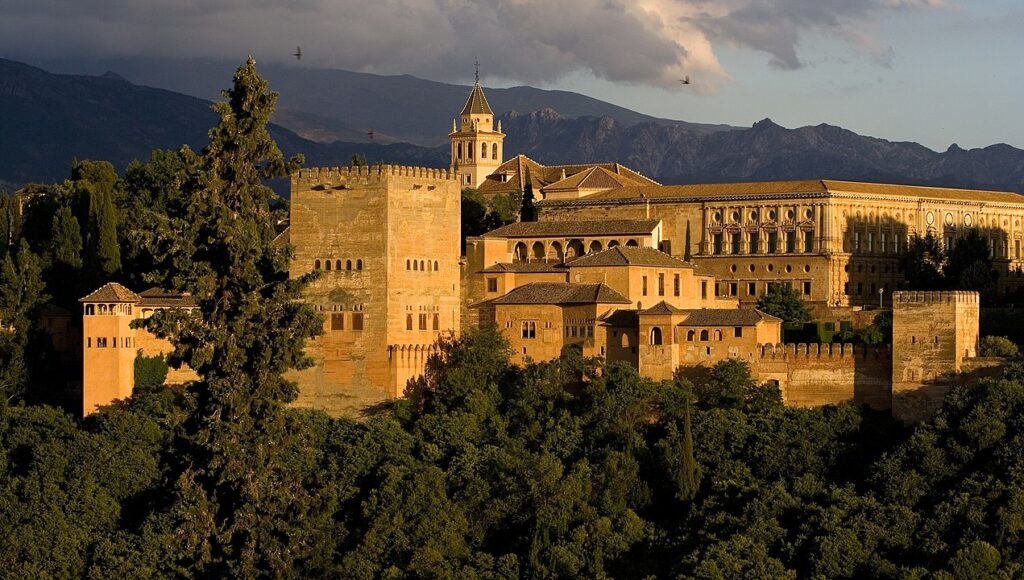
x=685, y=80
x=370, y=134
x=298, y=53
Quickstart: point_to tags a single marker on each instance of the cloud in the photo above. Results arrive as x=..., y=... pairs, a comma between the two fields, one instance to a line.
x=652, y=42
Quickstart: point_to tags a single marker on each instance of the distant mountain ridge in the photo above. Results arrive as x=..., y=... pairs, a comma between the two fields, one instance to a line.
x=48, y=119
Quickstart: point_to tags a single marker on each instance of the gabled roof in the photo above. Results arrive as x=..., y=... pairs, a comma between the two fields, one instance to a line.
x=111, y=292
x=629, y=256
x=477, y=104
x=562, y=293
x=542, y=176
x=595, y=177
x=160, y=298
x=725, y=317
x=525, y=267
x=575, y=228
x=663, y=308
x=621, y=317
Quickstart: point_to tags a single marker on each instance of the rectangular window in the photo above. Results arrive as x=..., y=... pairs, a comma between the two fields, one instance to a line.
x=437, y=321
x=1016, y=248
x=337, y=321
x=791, y=242
x=661, y=284
x=675, y=279
x=704, y=289
x=735, y=243
x=101, y=342
x=357, y=321
x=733, y=289
x=883, y=245
x=643, y=285
x=807, y=288
x=529, y=329
x=856, y=242
x=895, y=244
x=88, y=342
x=773, y=242
x=408, y=321
x=755, y=240
x=860, y=288
x=808, y=242
x=846, y=288
x=718, y=243
x=871, y=242
x=492, y=284
x=423, y=321
x=751, y=288
x=737, y=331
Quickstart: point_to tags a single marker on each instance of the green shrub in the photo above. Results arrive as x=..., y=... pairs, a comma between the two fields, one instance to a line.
x=998, y=346
x=150, y=371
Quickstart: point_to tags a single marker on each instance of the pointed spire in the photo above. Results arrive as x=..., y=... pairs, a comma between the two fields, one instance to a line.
x=499, y=125
x=455, y=127
x=563, y=174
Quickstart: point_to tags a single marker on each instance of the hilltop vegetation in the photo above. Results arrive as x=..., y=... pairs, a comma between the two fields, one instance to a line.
x=571, y=468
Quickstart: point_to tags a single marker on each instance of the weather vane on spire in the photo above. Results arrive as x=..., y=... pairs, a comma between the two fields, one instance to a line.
x=476, y=63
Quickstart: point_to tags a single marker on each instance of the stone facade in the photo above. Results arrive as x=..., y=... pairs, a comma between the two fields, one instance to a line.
x=385, y=240
x=934, y=333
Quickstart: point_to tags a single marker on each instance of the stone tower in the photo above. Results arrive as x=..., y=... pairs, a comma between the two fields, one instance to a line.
x=476, y=145
x=932, y=334
x=108, y=346
x=385, y=240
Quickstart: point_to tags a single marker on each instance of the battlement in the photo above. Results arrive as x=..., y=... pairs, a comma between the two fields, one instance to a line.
x=816, y=351
x=935, y=297
x=336, y=177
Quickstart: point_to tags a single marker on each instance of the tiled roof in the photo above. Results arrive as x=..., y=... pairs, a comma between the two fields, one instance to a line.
x=629, y=256
x=574, y=228
x=725, y=317
x=284, y=238
x=621, y=317
x=111, y=292
x=477, y=104
x=542, y=176
x=525, y=267
x=562, y=293
x=159, y=298
x=596, y=177
x=663, y=308
x=812, y=186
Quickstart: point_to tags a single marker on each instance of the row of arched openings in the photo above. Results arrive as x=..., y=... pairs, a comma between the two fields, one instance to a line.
x=422, y=265
x=338, y=264
x=703, y=336
x=555, y=252
x=469, y=151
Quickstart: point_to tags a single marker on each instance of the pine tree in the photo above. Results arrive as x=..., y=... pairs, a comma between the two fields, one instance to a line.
x=529, y=211
x=21, y=294
x=240, y=508
x=686, y=243
x=66, y=239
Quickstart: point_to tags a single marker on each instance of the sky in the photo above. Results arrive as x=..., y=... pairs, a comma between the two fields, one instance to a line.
x=933, y=71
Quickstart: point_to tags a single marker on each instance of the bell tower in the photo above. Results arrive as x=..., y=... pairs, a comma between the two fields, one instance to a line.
x=476, y=145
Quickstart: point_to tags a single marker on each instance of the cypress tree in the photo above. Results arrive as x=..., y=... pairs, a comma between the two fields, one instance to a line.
x=10, y=223
x=689, y=471
x=21, y=294
x=686, y=243
x=528, y=213
x=241, y=507
x=103, y=214
x=66, y=239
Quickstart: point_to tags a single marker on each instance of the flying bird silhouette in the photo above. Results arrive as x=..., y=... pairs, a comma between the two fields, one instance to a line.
x=298, y=53
x=685, y=80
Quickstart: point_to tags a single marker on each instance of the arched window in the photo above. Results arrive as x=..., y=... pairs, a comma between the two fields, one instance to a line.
x=359, y=264
x=435, y=265
x=415, y=265
x=423, y=266
x=483, y=151
x=337, y=265
x=632, y=244
x=316, y=264
x=519, y=255
x=408, y=321
x=469, y=150
x=408, y=265
x=718, y=335
x=327, y=264
x=348, y=264
x=494, y=150
x=538, y=251
x=595, y=246
x=574, y=249
x=704, y=335
x=555, y=253
x=613, y=244
x=625, y=340
x=90, y=309
x=690, y=335
x=655, y=336
x=460, y=151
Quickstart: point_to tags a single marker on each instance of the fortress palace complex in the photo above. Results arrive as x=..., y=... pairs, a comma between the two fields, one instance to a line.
x=619, y=266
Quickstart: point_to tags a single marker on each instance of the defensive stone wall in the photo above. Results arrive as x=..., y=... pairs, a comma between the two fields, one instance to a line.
x=810, y=375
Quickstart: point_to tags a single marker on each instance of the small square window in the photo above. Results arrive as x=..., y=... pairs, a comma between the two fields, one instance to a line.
x=492, y=284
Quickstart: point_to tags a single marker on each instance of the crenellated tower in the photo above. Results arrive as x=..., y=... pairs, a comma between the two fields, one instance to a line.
x=476, y=145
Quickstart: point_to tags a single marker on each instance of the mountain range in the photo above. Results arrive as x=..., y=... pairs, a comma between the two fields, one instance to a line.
x=47, y=119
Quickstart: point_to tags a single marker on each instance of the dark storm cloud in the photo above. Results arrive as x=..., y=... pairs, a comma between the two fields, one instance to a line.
x=631, y=41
